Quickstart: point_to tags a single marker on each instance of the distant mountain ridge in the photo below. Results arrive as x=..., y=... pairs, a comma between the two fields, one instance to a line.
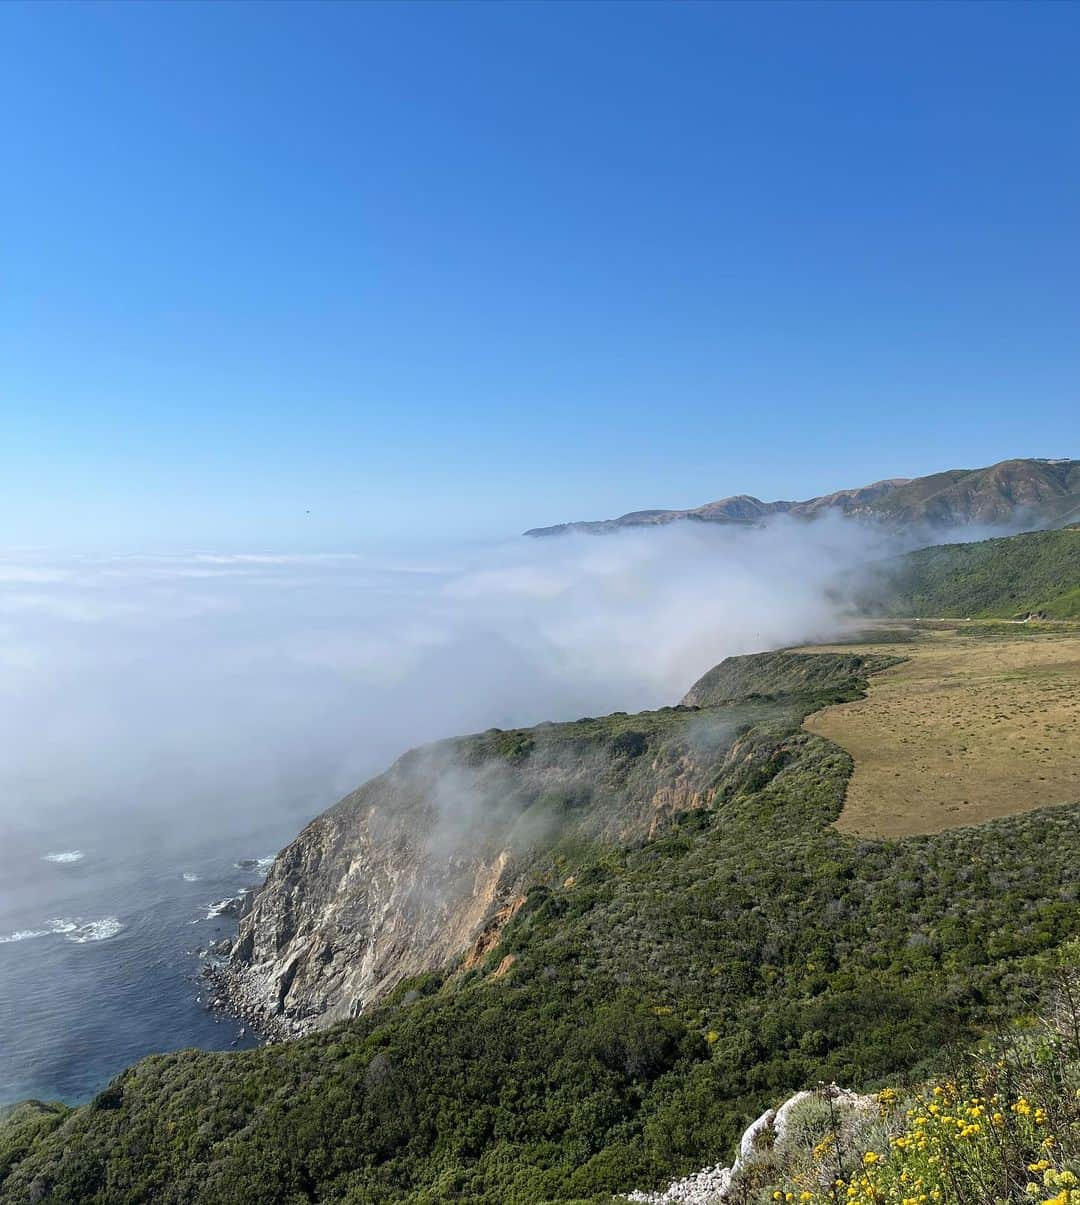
x=1036, y=491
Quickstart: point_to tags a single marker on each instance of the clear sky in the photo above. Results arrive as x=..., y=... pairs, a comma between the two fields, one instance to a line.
x=462, y=269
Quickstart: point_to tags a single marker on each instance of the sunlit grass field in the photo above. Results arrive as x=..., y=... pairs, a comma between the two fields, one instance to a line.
x=980, y=721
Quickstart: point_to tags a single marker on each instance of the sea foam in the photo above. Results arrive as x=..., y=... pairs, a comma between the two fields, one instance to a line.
x=95, y=930
x=260, y=865
x=23, y=935
x=220, y=907
x=78, y=931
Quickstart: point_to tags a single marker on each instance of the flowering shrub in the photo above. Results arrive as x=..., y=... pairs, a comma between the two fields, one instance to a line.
x=1005, y=1128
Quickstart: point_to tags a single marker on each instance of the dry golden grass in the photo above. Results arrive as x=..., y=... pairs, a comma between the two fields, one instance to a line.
x=971, y=727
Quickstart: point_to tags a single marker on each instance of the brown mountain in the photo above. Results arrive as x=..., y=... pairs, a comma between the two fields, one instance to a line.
x=1034, y=493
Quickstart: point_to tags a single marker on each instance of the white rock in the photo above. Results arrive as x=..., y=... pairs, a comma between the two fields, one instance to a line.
x=711, y=1185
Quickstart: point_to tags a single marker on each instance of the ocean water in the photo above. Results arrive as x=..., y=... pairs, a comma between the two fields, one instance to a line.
x=102, y=934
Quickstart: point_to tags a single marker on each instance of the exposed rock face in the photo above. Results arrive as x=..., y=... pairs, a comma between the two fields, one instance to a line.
x=491, y=934
x=365, y=897
x=1033, y=492
x=428, y=863
x=424, y=867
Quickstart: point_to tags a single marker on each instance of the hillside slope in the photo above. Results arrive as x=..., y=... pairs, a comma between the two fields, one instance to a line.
x=1034, y=573
x=1033, y=492
x=782, y=673
x=646, y=999
x=429, y=859
x=1003, y=1126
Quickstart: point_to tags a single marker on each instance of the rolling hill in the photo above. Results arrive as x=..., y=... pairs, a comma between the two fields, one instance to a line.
x=1035, y=573
x=1031, y=492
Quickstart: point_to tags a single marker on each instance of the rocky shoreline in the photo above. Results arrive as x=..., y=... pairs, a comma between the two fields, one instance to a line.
x=229, y=997
x=228, y=993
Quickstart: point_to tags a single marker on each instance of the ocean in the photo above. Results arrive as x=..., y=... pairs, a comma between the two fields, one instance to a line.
x=102, y=935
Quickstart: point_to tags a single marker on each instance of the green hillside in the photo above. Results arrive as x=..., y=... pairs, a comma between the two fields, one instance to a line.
x=644, y=1004
x=781, y=673
x=22, y=1125
x=1034, y=573
x=1002, y=1127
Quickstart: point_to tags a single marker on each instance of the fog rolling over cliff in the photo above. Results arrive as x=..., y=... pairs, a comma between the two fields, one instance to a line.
x=429, y=861
x=186, y=689
x=167, y=716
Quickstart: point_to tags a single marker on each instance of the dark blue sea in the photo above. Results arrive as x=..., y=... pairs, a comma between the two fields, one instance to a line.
x=103, y=931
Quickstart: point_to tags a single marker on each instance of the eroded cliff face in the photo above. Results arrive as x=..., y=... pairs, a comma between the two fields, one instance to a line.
x=353, y=906
x=423, y=866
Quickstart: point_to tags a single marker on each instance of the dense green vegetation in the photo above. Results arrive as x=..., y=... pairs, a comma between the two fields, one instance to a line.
x=22, y=1126
x=537, y=789
x=660, y=995
x=1035, y=573
x=1002, y=1127
x=783, y=674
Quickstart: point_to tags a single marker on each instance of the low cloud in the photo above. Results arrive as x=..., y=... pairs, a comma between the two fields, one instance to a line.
x=196, y=684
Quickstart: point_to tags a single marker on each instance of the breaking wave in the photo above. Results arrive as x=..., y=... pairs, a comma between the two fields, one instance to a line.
x=95, y=930
x=223, y=907
x=23, y=935
x=262, y=865
x=78, y=931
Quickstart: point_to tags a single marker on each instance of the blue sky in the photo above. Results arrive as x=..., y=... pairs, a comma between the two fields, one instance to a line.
x=455, y=270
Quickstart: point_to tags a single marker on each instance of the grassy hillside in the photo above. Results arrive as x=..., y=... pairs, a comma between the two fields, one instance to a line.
x=640, y=1008
x=1042, y=491
x=1038, y=572
x=963, y=730
x=784, y=673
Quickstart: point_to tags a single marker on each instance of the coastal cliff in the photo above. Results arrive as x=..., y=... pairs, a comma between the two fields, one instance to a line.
x=421, y=867
x=678, y=939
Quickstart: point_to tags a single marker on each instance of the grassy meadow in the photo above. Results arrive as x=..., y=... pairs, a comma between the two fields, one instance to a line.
x=963, y=730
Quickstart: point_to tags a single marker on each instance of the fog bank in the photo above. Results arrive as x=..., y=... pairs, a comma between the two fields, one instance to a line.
x=186, y=686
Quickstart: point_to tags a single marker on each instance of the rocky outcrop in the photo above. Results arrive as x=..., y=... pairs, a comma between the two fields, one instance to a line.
x=423, y=867
x=763, y=1139
x=491, y=935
